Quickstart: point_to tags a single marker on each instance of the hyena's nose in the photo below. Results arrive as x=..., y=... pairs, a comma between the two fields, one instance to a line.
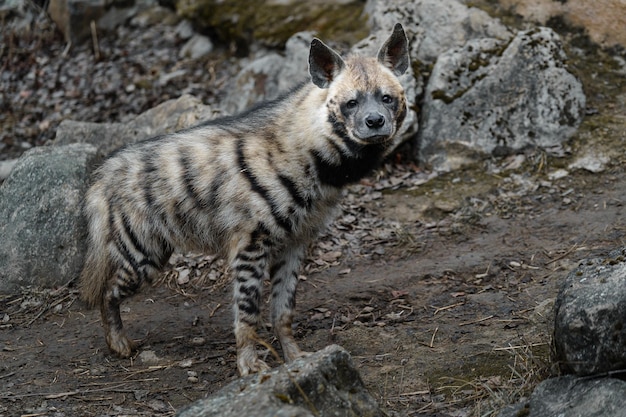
x=375, y=120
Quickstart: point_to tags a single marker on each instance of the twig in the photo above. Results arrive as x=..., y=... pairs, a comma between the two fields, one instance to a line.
x=268, y=347
x=558, y=258
x=304, y=396
x=476, y=321
x=432, y=339
x=521, y=346
x=94, y=38
x=212, y=313
x=62, y=394
x=438, y=309
x=43, y=310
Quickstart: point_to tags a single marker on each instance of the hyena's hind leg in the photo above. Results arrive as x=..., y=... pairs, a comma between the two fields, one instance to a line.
x=137, y=264
x=250, y=268
x=284, y=278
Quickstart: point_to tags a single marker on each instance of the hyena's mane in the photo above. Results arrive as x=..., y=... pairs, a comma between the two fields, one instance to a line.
x=258, y=114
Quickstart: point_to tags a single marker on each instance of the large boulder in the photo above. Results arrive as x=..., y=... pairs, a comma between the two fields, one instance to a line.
x=268, y=75
x=245, y=22
x=434, y=26
x=324, y=384
x=590, y=317
x=495, y=97
x=569, y=396
x=18, y=16
x=41, y=223
x=167, y=117
x=40, y=210
x=603, y=20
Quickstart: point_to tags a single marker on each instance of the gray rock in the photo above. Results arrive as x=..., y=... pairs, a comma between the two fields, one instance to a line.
x=590, y=317
x=184, y=29
x=269, y=75
x=569, y=396
x=601, y=20
x=246, y=24
x=40, y=212
x=6, y=167
x=167, y=117
x=17, y=16
x=434, y=26
x=196, y=47
x=491, y=96
x=325, y=383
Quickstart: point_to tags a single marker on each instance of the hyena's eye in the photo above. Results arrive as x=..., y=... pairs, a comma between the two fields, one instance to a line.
x=387, y=99
x=351, y=104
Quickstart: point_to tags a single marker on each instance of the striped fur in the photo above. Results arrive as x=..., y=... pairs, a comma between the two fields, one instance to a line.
x=256, y=188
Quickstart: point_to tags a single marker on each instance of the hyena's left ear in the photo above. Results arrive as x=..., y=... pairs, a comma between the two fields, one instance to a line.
x=394, y=54
x=324, y=64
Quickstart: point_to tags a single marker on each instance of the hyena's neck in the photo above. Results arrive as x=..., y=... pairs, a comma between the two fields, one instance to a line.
x=323, y=139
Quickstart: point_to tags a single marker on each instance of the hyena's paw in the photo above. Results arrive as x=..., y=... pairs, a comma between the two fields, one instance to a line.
x=249, y=363
x=120, y=344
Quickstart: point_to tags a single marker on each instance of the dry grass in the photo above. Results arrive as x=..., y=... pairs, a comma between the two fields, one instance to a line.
x=481, y=396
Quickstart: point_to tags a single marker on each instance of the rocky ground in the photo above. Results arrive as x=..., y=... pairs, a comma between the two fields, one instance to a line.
x=441, y=288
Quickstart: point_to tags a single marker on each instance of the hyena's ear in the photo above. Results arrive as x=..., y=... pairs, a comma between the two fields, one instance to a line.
x=394, y=54
x=324, y=64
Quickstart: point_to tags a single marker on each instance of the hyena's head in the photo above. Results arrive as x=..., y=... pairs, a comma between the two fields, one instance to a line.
x=366, y=103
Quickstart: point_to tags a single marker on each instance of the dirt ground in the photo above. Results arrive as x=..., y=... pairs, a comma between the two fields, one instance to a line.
x=444, y=302
x=451, y=322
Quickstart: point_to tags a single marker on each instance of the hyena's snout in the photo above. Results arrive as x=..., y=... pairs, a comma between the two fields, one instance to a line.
x=374, y=123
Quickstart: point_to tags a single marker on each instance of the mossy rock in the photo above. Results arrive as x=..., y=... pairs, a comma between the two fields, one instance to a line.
x=272, y=23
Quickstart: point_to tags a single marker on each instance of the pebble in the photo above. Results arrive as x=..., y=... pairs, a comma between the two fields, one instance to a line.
x=185, y=363
x=198, y=341
x=192, y=377
x=149, y=357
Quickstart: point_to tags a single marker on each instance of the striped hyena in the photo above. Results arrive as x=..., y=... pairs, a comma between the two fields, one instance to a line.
x=257, y=188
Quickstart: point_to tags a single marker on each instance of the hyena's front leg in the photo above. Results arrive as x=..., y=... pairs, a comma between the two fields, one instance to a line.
x=284, y=277
x=249, y=267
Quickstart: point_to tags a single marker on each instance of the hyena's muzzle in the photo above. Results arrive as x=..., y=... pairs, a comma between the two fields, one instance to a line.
x=372, y=118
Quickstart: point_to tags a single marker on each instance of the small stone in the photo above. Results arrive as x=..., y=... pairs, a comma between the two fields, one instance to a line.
x=148, y=357
x=558, y=174
x=196, y=47
x=185, y=363
x=592, y=163
x=184, y=29
x=198, y=341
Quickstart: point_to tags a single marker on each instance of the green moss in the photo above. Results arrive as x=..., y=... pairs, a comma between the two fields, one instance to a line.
x=272, y=23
